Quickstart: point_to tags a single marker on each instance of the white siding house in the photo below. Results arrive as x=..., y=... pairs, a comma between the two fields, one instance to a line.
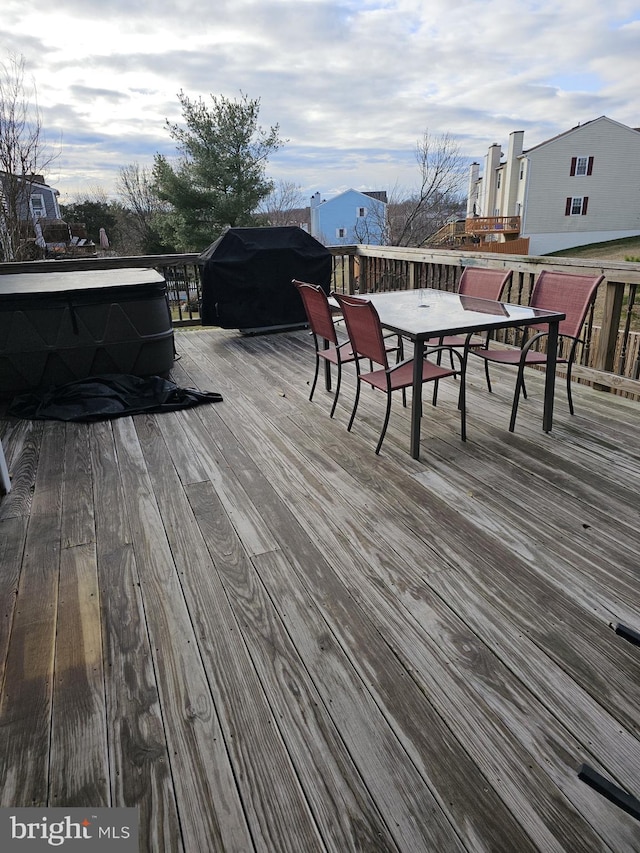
x=580, y=187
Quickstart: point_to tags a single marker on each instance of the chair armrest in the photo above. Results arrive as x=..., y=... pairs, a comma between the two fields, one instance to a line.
x=451, y=350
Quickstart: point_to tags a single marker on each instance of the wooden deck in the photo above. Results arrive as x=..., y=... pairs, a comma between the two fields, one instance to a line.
x=242, y=621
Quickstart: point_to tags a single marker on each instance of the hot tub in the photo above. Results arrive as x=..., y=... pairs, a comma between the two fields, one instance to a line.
x=57, y=327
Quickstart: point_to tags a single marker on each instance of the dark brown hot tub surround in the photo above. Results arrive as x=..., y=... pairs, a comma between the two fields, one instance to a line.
x=57, y=327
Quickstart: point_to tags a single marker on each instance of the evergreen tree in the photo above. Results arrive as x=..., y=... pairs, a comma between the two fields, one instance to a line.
x=93, y=214
x=220, y=178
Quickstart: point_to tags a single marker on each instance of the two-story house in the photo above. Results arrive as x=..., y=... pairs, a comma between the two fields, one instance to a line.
x=28, y=204
x=580, y=187
x=31, y=196
x=31, y=223
x=349, y=218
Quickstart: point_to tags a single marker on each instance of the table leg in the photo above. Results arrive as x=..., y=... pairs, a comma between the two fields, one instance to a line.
x=550, y=376
x=416, y=399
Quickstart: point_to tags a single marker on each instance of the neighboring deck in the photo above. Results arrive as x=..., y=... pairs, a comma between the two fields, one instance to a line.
x=241, y=620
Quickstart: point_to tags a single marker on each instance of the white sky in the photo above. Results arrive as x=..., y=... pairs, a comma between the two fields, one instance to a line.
x=353, y=84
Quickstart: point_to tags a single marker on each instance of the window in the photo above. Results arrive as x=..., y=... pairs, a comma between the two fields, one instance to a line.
x=521, y=169
x=581, y=166
x=341, y=232
x=361, y=212
x=37, y=205
x=499, y=181
x=576, y=205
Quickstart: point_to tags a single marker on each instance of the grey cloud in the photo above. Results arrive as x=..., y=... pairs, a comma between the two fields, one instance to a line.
x=90, y=93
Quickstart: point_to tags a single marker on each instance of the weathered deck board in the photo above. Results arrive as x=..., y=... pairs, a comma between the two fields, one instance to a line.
x=79, y=766
x=242, y=621
x=138, y=755
x=25, y=706
x=191, y=723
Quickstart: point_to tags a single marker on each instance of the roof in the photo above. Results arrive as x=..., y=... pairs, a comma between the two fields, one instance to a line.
x=377, y=195
x=579, y=127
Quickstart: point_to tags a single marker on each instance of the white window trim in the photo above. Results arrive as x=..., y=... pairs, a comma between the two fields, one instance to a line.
x=584, y=161
x=577, y=203
x=361, y=212
x=42, y=209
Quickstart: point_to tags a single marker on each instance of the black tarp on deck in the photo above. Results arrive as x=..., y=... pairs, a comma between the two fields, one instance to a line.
x=247, y=273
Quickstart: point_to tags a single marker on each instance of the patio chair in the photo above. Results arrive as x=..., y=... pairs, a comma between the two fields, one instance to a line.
x=479, y=283
x=482, y=284
x=322, y=324
x=318, y=311
x=568, y=293
x=365, y=334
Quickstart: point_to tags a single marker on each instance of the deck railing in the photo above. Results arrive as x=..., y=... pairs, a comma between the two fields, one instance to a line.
x=497, y=224
x=609, y=358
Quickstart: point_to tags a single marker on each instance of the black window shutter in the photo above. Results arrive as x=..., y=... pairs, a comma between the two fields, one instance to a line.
x=574, y=160
x=590, y=166
x=585, y=202
x=567, y=209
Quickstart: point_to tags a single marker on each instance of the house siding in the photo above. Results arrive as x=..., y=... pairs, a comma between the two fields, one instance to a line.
x=613, y=188
x=49, y=198
x=542, y=196
x=336, y=222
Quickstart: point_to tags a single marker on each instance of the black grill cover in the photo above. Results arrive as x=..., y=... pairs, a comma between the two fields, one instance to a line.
x=247, y=273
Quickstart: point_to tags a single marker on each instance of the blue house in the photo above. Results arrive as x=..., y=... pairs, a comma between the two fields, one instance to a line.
x=349, y=218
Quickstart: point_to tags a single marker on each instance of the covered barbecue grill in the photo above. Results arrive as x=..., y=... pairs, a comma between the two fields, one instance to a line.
x=246, y=277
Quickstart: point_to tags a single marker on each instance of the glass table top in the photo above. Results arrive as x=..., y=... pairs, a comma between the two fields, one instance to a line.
x=426, y=312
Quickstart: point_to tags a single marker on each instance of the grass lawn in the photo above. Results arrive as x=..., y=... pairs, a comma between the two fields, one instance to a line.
x=613, y=250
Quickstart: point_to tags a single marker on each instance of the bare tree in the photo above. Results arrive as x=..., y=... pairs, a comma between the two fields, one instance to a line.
x=139, y=198
x=96, y=194
x=413, y=217
x=374, y=227
x=23, y=156
x=285, y=205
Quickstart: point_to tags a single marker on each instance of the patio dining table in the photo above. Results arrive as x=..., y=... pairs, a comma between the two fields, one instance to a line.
x=424, y=314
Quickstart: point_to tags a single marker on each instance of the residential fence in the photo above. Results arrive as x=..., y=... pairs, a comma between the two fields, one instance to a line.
x=609, y=358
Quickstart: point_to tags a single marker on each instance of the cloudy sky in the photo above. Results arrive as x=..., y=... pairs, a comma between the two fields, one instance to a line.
x=353, y=84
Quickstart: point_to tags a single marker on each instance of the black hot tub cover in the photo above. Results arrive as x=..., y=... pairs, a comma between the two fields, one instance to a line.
x=108, y=396
x=247, y=274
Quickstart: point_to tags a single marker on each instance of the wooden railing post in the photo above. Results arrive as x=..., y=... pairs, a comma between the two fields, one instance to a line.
x=353, y=262
x=607, y=341
x=411, y=283
x=363, y=281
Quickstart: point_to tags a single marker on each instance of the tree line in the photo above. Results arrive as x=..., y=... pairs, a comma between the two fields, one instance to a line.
x=217, y=179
